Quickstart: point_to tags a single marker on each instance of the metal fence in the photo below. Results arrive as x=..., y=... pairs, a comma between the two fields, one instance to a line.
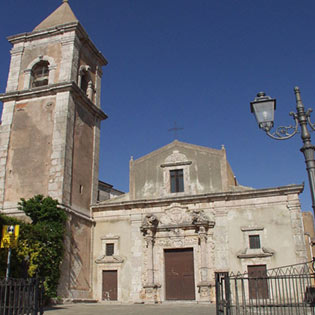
x=285, y=290
x=21, y=296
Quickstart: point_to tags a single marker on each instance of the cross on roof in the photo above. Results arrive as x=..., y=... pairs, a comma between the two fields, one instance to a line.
x=175, y=129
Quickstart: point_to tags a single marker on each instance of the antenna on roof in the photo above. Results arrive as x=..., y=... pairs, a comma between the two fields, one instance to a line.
x=175, y=129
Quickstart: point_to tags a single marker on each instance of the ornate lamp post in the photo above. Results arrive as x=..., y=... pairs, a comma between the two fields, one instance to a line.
x=264, y=106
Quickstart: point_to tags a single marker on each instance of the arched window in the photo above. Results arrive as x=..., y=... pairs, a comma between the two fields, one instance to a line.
x=40, y=73
x=84, y=81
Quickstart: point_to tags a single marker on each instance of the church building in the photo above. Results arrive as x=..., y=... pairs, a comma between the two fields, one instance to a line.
x=185, y=216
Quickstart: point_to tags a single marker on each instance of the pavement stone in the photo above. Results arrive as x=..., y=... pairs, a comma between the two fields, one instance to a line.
x=131, y=309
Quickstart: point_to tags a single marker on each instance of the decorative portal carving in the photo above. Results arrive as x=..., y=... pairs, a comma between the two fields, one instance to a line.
x=175, y=216
x=177, y=227
x=150, y=221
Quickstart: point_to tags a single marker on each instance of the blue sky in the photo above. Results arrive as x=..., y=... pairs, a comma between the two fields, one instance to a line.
x=197, y=63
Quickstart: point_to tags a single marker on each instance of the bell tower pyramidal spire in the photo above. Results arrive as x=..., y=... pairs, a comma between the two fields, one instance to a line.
x=50, y=131
x=62, y=15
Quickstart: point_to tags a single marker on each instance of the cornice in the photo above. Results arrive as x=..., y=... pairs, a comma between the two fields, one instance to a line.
x=222, y=196
x=28, y=36
x=53, y=89
x=57, y=30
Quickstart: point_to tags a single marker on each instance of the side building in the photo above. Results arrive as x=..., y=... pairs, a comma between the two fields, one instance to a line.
x=184, y=219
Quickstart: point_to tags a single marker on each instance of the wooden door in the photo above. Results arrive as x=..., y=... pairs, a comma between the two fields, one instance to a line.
x=179, y=274
x=109, y=289
x=257, y=282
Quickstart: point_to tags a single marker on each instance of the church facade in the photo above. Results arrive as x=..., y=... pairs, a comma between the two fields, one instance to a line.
x=185, y=216
x=184, y=219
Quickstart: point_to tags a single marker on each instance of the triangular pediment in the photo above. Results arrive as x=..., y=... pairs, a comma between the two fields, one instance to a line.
x=179, y=144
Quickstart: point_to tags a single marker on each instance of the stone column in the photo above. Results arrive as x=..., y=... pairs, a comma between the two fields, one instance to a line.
x=148, y=229
x=203, y=253
x=204, y=284
x=150, y=287
x=150, y=242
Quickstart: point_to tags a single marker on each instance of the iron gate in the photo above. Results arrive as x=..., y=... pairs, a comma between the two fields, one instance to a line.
x=285, y=290
x=21, y=296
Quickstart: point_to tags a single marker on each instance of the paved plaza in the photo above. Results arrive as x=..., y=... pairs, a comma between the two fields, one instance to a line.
x=130, y=309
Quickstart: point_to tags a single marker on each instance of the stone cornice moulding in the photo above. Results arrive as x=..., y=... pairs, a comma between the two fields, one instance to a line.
x=251, y=228
x=115, y=259
x=60, y=29
x=211, y=197
x=110, y=237
x=14, y=211
x=53, y=89
x=176, y=164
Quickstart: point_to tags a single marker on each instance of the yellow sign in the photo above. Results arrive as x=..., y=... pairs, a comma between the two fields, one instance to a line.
x=10, y=235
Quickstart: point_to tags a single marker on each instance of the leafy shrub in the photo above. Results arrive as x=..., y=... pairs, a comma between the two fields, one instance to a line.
x=41, y=243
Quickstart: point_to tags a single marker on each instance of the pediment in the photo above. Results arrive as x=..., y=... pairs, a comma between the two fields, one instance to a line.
x=109, y=259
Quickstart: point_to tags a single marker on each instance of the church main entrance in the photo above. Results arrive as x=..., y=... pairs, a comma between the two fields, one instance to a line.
x=179, y=274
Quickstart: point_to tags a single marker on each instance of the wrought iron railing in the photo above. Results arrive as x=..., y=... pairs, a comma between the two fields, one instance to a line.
x=285, y=290
x=21, y=296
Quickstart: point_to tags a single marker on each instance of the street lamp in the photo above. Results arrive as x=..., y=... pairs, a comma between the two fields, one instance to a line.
x=264, y=106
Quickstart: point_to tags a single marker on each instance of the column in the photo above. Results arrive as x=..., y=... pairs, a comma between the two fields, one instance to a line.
x=150, y=287
x=204, y=284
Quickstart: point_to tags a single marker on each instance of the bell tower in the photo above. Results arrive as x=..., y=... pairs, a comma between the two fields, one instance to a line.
x=50, y=131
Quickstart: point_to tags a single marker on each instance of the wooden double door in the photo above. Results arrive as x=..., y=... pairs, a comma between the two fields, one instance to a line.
x=179, y=274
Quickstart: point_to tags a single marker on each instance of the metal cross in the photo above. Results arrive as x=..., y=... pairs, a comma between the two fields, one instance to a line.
x=175, y=129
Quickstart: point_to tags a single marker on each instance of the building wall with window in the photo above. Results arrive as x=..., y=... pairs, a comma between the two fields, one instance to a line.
x=157, y=244
x=203, y=170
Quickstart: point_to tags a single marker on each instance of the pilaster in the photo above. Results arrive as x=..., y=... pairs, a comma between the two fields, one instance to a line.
x=294, y=207
x=15, y=67
x=5, y=131
x=96, y=154
x=204, y=284
x=136, y=260
x=70, y=58
x=59, y=150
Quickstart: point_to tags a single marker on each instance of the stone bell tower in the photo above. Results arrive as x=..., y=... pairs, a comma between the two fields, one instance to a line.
x=50, y=131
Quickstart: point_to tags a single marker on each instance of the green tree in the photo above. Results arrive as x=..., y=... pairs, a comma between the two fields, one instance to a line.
x=43, y=240
x=41, y=243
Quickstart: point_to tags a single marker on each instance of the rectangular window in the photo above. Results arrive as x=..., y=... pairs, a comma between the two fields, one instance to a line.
x=109, y=249
x=177, y=181
x=254, y=241
x=257, y=282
